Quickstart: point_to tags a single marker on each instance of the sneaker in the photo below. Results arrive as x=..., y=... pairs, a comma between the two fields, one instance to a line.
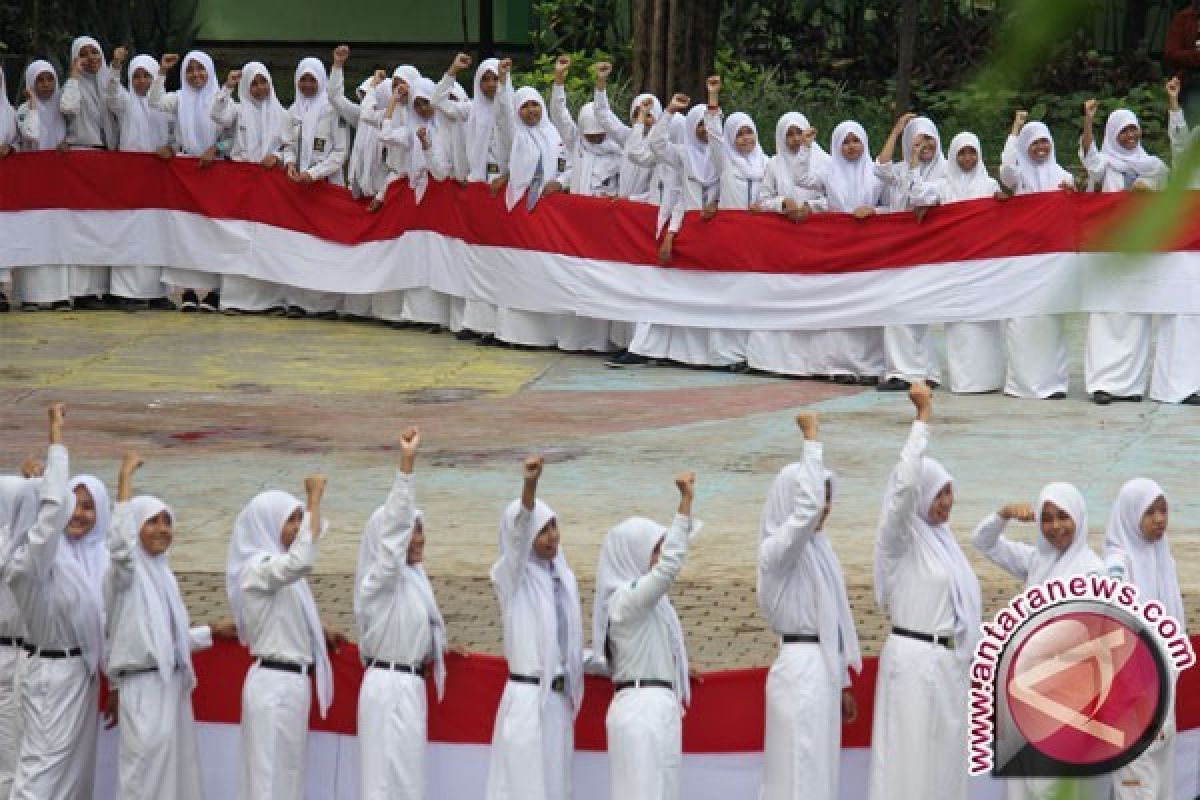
x=190, y=302
x=211, y=303
x=627, y=359
x=61, y=305
x=893, y=385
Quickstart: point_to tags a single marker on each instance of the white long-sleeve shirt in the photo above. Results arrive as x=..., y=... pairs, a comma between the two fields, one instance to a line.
x=397, y=140
x=1104, y=173
x=1015, y=558
x=904, y=186
x=393, y=614
x=780, y=184
x=85, y=129
x=275, y=623
x=328, y=145
x=587, y=174
x=519, y=601
x=225, y=112
x=460, y=111
x=336, y=89
x=641, y=643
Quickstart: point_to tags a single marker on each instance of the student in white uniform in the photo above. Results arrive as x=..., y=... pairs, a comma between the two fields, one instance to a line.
x=150, y=644
x=55, y=570
x=925, y=584
x=537, y=167
x=1137, y=550
x=1036, y=346
x=18, y=512
x=1117, y=358
x=314, y=149
x=273, y=550
x=143, y=129
x=258, y=121
x=637, y=638
x=197, y=136
x=10, y=142
x=41, y=126
x=90, y=126
x=802, y=594
x=401, y=633
x=908, y=350
x=533, y=743
x=1061, y=551
x=1176, y=374
x=594, y=160
x=850, y=186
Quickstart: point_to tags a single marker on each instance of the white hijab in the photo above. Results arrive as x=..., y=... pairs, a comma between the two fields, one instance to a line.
x=257, y=535
x=147, y=128
x=851, y=184
x=1135, y=163
x=967, y=185
x=310, y=109
x=784, y=162
x=8, y=115
x=80, y=565
x=964, y=585
x=91, y=92
x=929, y=171
x=263, y=121
x=481, y=123
x=368, y=552
x=1034, y=177
x=752, y=167
x=699, y=161
x=1078, y=559
x=52, y=127
x=197, y=131
x=541, y=585
x=818, y=566
x=595, y=163
x=531, y=145
x=157, y=597
x=1152, y=564
x=624, y=558
x=418, y=160
x=366, y=155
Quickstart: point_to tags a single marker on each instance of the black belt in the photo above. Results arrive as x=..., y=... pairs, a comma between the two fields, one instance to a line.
x=559, y=683
x=411, y=669
x=944, y=641
x=644, y=683
x=125, y=673
x=801, y=638
x=285, y=666
x=11, y=641
x=32, y=649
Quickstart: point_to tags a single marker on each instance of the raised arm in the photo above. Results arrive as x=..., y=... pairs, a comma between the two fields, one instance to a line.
x=1015, y=558
x=506, y=114
x=38, y=555
x=715, y=124
x=507, y=572
x=560, y=114
x=659, y=140
x=223, y=109
x=158, y=97
x=122, y=537
x=808, y=506
x=888, y=153
x=1009, y=175
x=894, y=530
x=646, y=591
x=1177, y=127
x=71, y=100
x=114, y=95
x=612, y=124
x=272, y=573
x=456, y=110
x=395, y=523
x=336, y=89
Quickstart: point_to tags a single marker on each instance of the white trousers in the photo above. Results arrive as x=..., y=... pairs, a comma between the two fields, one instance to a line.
x=11, y=660
x=392, y=734
x=159, y=759
x=358, y=305
x=1176, y=367
x=275, y=708
x=427, y=307
x=975, y=356
x=645, y=744
x=479, y=316
x=848, y=351
x=919, y=735
x=529, y=328
x=251, y=294
x=388, y=306
x=1117, y=356
x=909, y=353
x=1151, y=776
x=313, y=302
x=533, y=746
x=802, y=746
x=1037, y=357
x=59, y=717
x=197, y=280
x=701, y=347
x=47, y=284
x=584, y=334
x=137, y=283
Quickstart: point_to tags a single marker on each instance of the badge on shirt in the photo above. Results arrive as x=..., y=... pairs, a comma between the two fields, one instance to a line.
x=341, y=122
x=318, y=145
x=562, y=164
x=493, y=169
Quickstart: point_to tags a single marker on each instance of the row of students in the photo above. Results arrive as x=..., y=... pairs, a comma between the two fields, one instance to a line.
x=407, y=128
x=88, y=589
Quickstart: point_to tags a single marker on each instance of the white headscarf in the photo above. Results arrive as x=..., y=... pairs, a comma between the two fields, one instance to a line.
x=1135, y=163
x=1152, y=564
x=541, y=585
x=146, y=128
x=851, y=184
x=418, y=160
x=91, y=92
x=928, y=171
x=197, y=131
x=967, y=185
x=1046, y=176
x=818, y=567
x=8, y=115
x=80, y=564
x=258, y=535
x=595, y=163
x=157, y=596
x=633, y=176
x=263, y=121
x=1078, y=559
x=368, y=552
x=656, y=109
x=531, y=145
x=750, y=167
x=783, y=164
x=964, y=585
x=310, y=109
x=481, y=123
x=624, y=558
x=702, y=168
x=52, y=127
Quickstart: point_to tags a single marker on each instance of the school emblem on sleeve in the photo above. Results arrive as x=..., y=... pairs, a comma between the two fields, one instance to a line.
x=1074, y=678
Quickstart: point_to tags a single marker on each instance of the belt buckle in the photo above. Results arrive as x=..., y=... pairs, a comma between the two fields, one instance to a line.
x=949, y=642
x=559, y=683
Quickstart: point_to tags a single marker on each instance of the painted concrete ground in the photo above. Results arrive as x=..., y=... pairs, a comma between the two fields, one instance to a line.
x=223, y=407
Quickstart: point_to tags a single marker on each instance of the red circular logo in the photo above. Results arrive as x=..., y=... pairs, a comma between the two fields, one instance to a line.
x=1083, y=688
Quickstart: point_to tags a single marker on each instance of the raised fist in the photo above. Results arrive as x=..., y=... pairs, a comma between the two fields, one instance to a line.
x=533, y=467
x=119, y=56
x=341, y=54
x=461, y=61
x=713, y=84
x=168, y=62
x=685, y=482
x=807, y=422
x=1090, y=107
x=235, y=75
x=314, y=486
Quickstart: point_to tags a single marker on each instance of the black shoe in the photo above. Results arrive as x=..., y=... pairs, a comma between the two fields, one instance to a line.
x=296, y=312
x=627, y=359
x=162, y=304
x=211, y=303
x=845, y=380
x=326, y=315
x=61, y=305
x=1102, y=398
x=1059, y=396
x=4, y=306
x=487, y=340
x=33, y=307
x=466, y=334
x=89, y=303
x=893, y=385
x=130, y=304
x=868, y=380
x=190, y=303
x=1192, y=399
x=932, y=384
x=739, y=368
x=276, y=311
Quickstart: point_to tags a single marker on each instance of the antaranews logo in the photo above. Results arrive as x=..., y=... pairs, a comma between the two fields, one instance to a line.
x=1072, y=678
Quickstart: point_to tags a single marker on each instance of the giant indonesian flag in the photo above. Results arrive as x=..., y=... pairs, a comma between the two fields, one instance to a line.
x=978, y=260
x=722, y=733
